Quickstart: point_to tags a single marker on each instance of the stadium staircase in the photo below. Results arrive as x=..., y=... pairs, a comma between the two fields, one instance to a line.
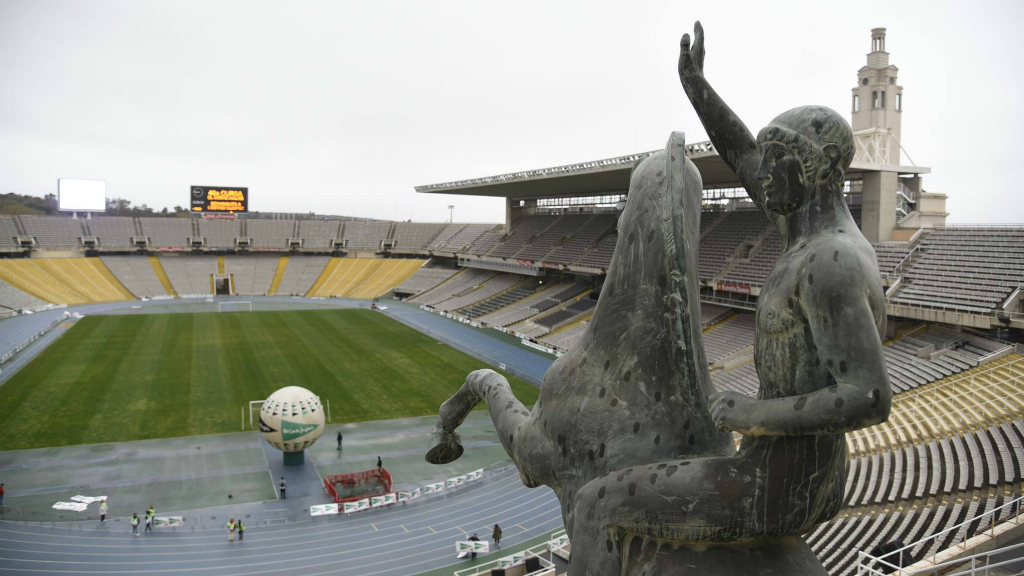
x=158, y=268
x=282, y=264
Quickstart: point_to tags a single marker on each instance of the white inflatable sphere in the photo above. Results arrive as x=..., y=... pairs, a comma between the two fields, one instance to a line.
x=292, y=419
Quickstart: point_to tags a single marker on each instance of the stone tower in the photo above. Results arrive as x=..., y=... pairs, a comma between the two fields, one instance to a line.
x=877, y=106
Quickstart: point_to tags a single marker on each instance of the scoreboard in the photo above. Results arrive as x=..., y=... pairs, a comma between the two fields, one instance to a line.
x=219, y=199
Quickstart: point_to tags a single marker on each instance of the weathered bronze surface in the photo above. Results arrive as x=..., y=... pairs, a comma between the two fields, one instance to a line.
x=627, y=431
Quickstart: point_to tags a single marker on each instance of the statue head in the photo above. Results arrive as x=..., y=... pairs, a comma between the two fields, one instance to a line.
x=804, y=151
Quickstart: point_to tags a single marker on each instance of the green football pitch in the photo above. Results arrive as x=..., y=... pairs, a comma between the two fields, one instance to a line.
x=120, y=378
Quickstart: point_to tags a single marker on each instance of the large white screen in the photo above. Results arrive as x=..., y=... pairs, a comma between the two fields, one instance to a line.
x=81, y=195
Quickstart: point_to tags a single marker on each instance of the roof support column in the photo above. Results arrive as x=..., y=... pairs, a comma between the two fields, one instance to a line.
x=508, y=213
x=878, y=210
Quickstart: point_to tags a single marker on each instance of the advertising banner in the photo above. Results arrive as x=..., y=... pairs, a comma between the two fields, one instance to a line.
x=168, y=521
x=472, y=546
x=514, y=559
x=734, y=288
x=323, y=509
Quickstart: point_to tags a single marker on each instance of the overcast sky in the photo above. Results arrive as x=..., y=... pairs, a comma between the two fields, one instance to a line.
x=343, y=107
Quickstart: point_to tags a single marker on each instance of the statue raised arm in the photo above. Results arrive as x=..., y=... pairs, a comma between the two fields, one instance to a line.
x=733, y=141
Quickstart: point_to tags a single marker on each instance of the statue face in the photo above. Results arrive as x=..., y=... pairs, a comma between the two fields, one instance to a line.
x=782, y=178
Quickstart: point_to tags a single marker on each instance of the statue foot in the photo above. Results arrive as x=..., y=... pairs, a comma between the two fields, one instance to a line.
x=444, y=447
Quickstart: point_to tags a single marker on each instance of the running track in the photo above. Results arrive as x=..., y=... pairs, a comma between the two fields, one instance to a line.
x=394, y=542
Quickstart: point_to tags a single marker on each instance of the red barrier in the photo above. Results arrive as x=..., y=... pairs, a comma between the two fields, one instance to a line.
x=379, y=476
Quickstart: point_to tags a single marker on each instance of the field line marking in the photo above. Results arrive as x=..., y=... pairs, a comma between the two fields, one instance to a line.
x=374, y=527
x=404, y=528
x=431, y=529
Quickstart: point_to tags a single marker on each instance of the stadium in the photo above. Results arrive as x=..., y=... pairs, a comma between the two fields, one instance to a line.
x=135, y=352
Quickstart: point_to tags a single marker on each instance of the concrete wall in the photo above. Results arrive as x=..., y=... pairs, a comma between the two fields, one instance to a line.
x=878, y=206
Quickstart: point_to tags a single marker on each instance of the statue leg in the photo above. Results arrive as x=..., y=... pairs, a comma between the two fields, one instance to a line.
x=507, y=413
x=701, y=500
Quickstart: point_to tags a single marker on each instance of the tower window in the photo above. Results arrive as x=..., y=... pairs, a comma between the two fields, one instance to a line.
x=874, y=99
x=883, y=99
x=856, y=102
x=899, y=102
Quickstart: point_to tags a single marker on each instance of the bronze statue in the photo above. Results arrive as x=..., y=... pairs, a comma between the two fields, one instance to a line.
x=625, y=431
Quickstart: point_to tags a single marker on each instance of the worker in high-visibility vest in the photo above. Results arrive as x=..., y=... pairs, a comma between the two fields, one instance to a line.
x=135, y=523
x=241, y=529
x=231, y=530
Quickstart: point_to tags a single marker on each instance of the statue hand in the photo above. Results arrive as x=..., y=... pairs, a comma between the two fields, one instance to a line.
x=691, y=60
x=731, y=410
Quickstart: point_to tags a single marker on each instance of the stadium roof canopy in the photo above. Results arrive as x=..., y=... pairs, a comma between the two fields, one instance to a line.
x=611, y=175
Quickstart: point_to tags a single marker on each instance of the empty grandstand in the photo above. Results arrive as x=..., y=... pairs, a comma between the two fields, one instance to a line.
x=251, y=275
x=410, y=237
x=136, y=274
x=319, y=234
x=970, y=269
x=300, y=274
x=166, y=233
x=64, y=280
x=368, y=236
x=424, y=279
x=55, y=233
x=12, y=298
x=190, y=275
x=219, y=233
x=363, y=277
x=271, y=233
x=115, y=231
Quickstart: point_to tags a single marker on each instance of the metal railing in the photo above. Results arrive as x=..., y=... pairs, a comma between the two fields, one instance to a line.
x=898, y=268
x=871, y=565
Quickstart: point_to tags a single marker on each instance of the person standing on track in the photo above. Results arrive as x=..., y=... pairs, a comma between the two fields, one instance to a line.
x=241, y=529
x=473, y=538
x=380, y=464
x=150, y=514
x=135, y=523
x=339, y=439
x=283, y=486
x=231, y=530
x=496, y=536
x=103, y=511
x=1, y=495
